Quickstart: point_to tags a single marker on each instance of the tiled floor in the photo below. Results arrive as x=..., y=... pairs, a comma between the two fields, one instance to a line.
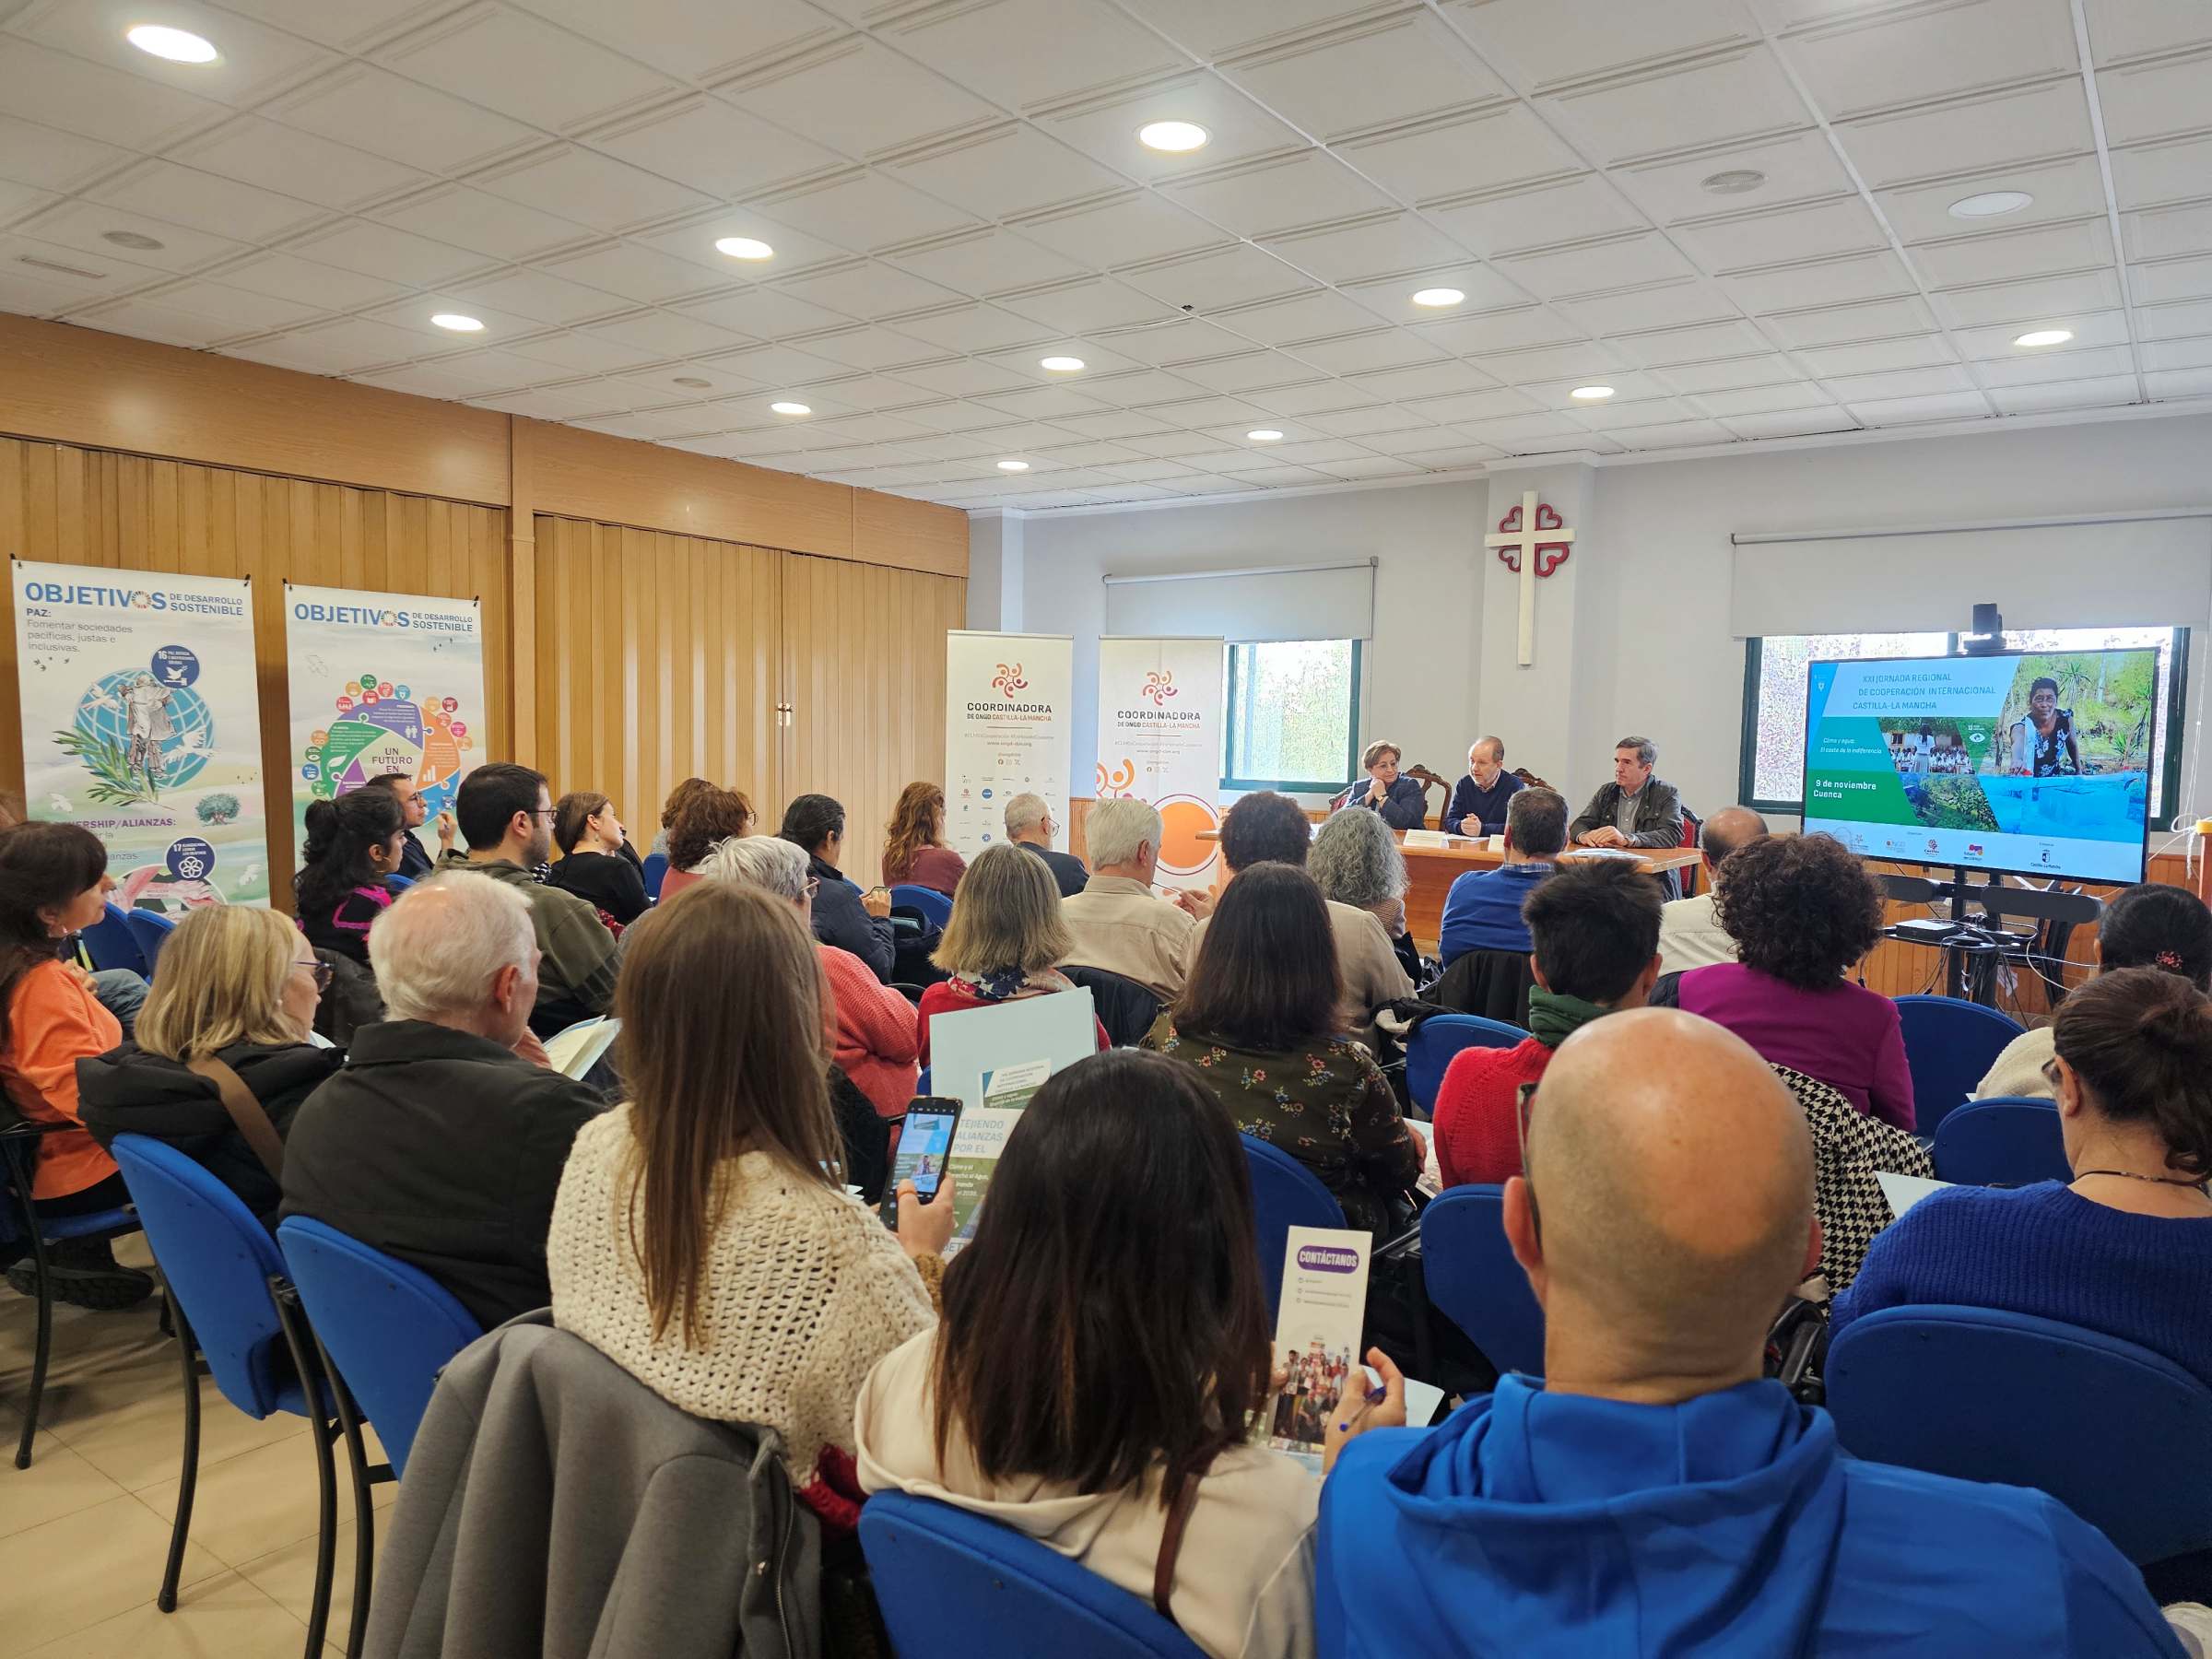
x=84, y=1531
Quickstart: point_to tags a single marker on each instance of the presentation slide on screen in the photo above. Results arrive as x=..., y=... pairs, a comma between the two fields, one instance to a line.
x=2038, y=764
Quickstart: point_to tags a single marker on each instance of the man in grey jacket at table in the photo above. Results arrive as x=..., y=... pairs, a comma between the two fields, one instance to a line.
x=1634, y=810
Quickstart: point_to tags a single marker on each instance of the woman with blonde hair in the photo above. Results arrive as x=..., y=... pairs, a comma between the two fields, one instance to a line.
x=915, y=853
x=703, y=1239
x=1005, y=937
x=235, y=994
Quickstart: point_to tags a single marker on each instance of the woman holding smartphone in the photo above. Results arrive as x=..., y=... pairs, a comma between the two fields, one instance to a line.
x=1118, y=1239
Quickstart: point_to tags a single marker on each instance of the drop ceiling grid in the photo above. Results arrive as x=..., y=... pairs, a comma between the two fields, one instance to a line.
x=954, y=190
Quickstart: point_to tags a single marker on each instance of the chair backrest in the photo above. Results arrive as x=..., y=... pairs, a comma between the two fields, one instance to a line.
x=1493, y=983
x=150, y=929
x=655, y=870
x=111, y=943
x=399, y=884
x=1949, y=1045
x=935, y=908
x=389, y=1329
x=1285, y=1194
x=1126, y=1009
x=1439, y=1038
x=2003, y=1142
x=921, y=1082
x=1474, y=1281
x=2119, y=1435
x=953, y=1585
x=217, y=1261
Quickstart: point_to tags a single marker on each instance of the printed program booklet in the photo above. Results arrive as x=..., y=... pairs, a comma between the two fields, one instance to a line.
x=575, y=1049
x=1317, y=1355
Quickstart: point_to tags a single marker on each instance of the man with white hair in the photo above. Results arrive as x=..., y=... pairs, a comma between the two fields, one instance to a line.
x=1029, y=824
x=442, y=1140
x=1117, y=922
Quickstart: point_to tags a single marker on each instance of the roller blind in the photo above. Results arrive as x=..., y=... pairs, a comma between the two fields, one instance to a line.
x=1284, y=601
x=2123, y=574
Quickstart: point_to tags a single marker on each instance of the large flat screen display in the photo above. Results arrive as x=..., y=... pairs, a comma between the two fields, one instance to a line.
x=2031, y=763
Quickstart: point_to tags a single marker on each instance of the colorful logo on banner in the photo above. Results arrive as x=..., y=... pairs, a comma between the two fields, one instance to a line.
x=1009, y=680
x=1159, y=686
x=382, y=728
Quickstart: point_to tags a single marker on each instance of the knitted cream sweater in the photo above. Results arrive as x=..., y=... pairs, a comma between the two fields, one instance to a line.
x=804, y=1290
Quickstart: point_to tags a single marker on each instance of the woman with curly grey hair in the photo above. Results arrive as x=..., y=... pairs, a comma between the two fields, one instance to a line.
x=1356, y=861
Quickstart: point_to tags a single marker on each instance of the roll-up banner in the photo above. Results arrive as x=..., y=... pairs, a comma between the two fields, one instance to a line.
x=382, y=682
x=141, y=722
x=1160, y=739
x=1006, y=732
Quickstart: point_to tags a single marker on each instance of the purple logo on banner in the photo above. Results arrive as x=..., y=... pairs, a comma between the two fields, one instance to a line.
x=1328, y=1258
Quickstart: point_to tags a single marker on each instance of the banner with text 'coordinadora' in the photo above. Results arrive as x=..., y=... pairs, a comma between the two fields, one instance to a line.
x=142, y=722
x=1007, y=731
x=1160, y=739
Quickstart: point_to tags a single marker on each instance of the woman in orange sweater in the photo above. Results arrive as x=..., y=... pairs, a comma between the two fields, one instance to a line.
x=54, y=884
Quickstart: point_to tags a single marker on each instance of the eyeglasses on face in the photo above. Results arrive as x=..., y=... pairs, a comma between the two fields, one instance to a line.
x=322, y=971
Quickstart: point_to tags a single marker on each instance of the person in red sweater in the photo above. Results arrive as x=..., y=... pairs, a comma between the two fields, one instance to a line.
x=1004, y=938
x=1595, y=928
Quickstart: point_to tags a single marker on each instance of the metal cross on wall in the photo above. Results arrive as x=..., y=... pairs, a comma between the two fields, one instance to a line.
x=1533, y=540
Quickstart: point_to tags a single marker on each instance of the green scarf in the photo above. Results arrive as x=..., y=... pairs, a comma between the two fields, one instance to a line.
x=1554, y=1017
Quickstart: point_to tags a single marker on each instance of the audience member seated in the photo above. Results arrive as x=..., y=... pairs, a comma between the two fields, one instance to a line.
x=2149, y=925
x=872, y=1028
x=843, y=915
x=1355, y=860
x=704, y=1239
x=1266, y=828
x=1143, y=1413
x=1482, y=911
x=1689, y=936
x=670, y=807
x=414, y=863
x=1651, y=1493
x=232, y=1007
x=1802, y=909
x=353, y=844
x=54, y=884
x=121, y=991
x=708, y=818
x=2126, y=1249
x=1479, y=799
x=1402, y=802
x=914, y=853
x=1029, y=824
x=506, y=814
x=1596, y=927
x=441, y=1141
x=596, y=863
x=1000, y=946
x=1257, y=1025
x=1117, y=923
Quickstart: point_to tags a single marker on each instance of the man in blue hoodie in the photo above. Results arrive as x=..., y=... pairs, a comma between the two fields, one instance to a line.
x=1651, y=1494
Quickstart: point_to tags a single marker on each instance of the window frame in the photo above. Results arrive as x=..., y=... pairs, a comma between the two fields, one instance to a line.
x=1230, y=781
x=2171, y=719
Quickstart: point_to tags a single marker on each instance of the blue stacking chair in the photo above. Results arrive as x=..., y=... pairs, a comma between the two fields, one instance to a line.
x=151, y=930
x=399, y=884
x=655, y=870
x=1439, y=1038
x=229, y=1296
x=2119, y=1435
x=21, y=1223
x=388, y=1329
x=921, y=1082
x=953, y=1585
x=1949, y=1046
x=2007, y=1142
x=1468, y=1269
x=934, y=907
x=110, y=943
x=1285, y=1194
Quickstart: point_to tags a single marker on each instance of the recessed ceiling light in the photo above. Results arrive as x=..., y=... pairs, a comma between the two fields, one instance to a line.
x=2045, y=336
x=458, y=322
x=1438, y=297
x=132, y=238
x=1265, y=435
x=1592, y=393
x=790, y=408
x=744, y=247
x=1061, y=365
x=1991, y=203
x=1013, y=466
x=694, y=381
x=1176, y=137
x=175, y=44
x=1734, y=181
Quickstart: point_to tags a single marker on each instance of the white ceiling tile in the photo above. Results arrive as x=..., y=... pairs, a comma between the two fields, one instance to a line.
x=2063, y=190
x=1281, y=477
x=857, y=97
x=2088, y=328
x=683, y=38
x=1880, y=320
x=1014, y=170
x=483, y=224
x=1598, y=267
x=2171, y=279
x=1448, y=379
x=1042, y=402
x=1372, y=418
x=645, y=274
x=2176, y=354
x=1377, y=349
x=1368, y=251
x=1697, y=345
x=1116, y=423
x=549, y=403
x=1500, y=331
x=1798, y=168
x=2065, y=394
x=1215, y=281
x=2147, y=174
x=465, y=374
x=2008, y=302
x=951, y=416
x=961, y=377
x=1221, y=27
x=2026, y=368
x=1207, y=411
x=368, y=109
x=1324, y=312
x=235, y=309
x=40, y=293
x=2175, y=321
x=1139, y=472
x=1308, y=398
x=1730, y=374
x=294, y=163
x=145, y=320
x=1456, y=459
x=2083, y=245
x=1547, y=41
x=693, y=238
x=712, y=147
x=877, y=392
x=1469, y=408
x=1486, y=291
x=974, y=328
x=1127, y=231
x=1618, y=416
x=665, y=334
x=1826, y=282
x=1745, y=95
x=1795, y=423
x=383, y=251
x=333, y=22
x=1630, y=387
x=1182, y=341
x=1027, y=52
x=1934, y=52
x=592, y=189
x=1763, y=400
x=2152, y=99
x=1490, y=150
x=1578, y=364
x=1372, y=466
x=1249, y=371
x=1857, y=389
x=986, y=261
x=255, y=60
x=1879, y=357
x=1634, y=309
x=1400, y=69
x=413, y=313
x=1912, y=411
x=537, y=295
x=84, y=225
x=51, y=159
x=2125, y=29
x=348, y=344
x=1675, y=434
x=1096, y=302
x=58, y=90
x=1105, y=128
x=871, y=349
x=580, y=353
x=1573, y=211
x=1310, y=188
x=206, y=201
x=866, y=290
x=304, y=282
x=2168, y=232
x=1098, y=359
x=524, y=67
x=862, y=211
x=1971, y=135
x=1781, y=235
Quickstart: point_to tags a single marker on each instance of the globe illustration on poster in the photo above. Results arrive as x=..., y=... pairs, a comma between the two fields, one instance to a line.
x=139, y=738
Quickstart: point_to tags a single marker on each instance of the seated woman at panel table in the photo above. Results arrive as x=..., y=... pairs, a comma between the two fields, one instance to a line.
x=2126, y=1248
x=1401, y=801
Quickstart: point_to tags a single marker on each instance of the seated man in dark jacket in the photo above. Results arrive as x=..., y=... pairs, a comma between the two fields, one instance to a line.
x=443, y=1139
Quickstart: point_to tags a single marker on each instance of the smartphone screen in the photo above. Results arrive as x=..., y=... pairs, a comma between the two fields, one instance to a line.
x=923, y=1145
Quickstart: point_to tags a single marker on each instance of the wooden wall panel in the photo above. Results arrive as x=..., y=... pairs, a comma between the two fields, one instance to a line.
x=915, y=536
x=67, y=505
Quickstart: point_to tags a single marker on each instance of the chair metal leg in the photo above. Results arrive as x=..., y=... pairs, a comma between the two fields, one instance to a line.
x=180, y=1527
x=364, y=1512
x=20, y=1177
x=292, y=1321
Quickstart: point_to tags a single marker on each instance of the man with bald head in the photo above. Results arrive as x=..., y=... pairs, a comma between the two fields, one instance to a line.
x=1652, y=1494
x=1689, y=935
